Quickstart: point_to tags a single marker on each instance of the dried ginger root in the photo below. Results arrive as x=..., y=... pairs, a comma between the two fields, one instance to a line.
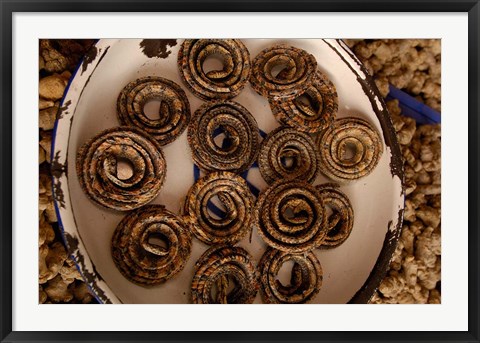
x=413, y=65
x=46, y=119
x=52, y=87
x=69, y=272
x=415, y=269
x=81, y=293
x=59, y=279
x=58, y=291
x=62, y=54
x=410, y=64
x=53, y=261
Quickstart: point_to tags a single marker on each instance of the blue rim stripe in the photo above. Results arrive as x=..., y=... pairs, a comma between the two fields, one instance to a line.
x=413, y=108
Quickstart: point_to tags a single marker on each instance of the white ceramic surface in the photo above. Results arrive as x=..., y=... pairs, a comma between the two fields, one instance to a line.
x=90, y=107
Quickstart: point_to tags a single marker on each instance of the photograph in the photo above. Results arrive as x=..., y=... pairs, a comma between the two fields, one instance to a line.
x=305, y=171
x=239, y=171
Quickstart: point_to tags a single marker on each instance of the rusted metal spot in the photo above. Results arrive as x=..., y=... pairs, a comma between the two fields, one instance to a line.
x=91, y=279
x=63, y=110
x=57, y=169
x=157, y=47
x=89, y=58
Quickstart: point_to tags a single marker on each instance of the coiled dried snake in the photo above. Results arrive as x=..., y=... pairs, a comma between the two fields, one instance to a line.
x=220, y=265
x=349, y=150
x=240, y=129
x=174, y=113
x=290, y=216
x=97, y=171
x=294, y=78
x=215, y=84
x=340, y=222
x=284, y=145
x=312, y=116
x=305, y=283
x=137, y=256
x=235, y=196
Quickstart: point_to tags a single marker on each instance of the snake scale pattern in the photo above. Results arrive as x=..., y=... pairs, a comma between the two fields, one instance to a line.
x=340, y=222
x=312, y=111
x=287, y=153
x=174, y=113
x=305, y=282
x=290, y=216
x=240, y=129
x=349, y=150
x=233, y=192
x=97, y=171
x=215, y=84
x=136, y=254
x=295, y=77
x=220, y=266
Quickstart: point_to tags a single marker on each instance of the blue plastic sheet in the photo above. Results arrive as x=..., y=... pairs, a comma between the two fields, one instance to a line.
x=413, y=108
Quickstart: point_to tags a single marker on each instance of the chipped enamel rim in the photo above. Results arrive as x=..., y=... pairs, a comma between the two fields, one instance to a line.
x=63, y=203
x=61, y=195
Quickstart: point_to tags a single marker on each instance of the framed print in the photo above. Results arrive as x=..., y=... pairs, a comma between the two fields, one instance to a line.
x=287, y=165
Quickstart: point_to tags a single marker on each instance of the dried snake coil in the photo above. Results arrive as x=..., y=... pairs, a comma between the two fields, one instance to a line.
x=340, y=222
x=284, y=145
x=240, y=129
x=174, y=113
x=237, y=200
x=313, y=116
x=219, y=266
x=137, y=256
x=215, y=84
x=97, y=171
x=297, y=72
x=349, y=150
x=305, y=283
x=290, y=216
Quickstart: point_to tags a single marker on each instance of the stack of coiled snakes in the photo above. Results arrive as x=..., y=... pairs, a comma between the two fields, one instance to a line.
x=292, y=216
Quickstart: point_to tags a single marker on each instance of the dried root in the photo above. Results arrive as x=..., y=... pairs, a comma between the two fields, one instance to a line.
x=59, y=280
x=414, y=66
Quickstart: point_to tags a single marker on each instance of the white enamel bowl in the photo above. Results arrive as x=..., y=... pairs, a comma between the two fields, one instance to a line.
x=352, y=271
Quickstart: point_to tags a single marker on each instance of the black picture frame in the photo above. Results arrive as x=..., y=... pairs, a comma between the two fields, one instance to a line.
x=8, y=7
